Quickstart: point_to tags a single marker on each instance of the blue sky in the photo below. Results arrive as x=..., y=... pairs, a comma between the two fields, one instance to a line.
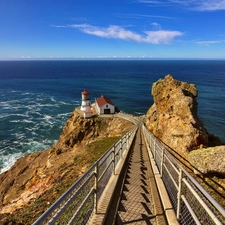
x=112, y=29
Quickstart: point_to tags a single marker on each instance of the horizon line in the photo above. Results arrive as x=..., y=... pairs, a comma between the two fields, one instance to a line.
x=108, y=58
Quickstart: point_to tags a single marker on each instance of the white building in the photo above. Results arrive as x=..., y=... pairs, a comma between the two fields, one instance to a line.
x=104, y=105
x=86, y=104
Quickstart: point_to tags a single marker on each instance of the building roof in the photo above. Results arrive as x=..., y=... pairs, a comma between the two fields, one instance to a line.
x=103, y=100
x=85, y=92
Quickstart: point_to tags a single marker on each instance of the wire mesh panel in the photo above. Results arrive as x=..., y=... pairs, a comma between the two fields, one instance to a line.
x=104, y=175
x=77, y=204
x=185, y=217
x=189, y=199
x=70, y=202
x=84, y=211
x=170, y=187
x=157, y=156
x=173, y=170
x=198, y=203
x=117, y=149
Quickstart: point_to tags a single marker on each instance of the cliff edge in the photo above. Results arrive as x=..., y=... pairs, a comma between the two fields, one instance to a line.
x=173, y=118
x=38, y=179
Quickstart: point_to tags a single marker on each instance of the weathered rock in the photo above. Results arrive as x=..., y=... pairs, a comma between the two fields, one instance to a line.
x=209, y=161
x=173, y=116
x=34, y=174
x=78, y=129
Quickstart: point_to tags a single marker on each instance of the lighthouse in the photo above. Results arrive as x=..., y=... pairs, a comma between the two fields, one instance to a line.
x=86, y=104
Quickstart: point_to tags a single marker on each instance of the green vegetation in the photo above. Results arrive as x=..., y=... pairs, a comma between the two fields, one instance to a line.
x=92, y=152
x=98, y=148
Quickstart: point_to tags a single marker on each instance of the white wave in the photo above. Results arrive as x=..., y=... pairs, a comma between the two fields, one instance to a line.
x=13, y=91
x=45, y=105
x=7, y=161
x=65, y=103
x=33, y=133
x=53, y=99
x=36, y=146
x=10, y=102
x=63, y=115
x=138, y=113
x=14, y=121
x=18, y=114
x=30, y=129
x=36, y=112
x=48, y=119
x=4, y=115
x=27, y=121
x=27, y=93
x=20, y=135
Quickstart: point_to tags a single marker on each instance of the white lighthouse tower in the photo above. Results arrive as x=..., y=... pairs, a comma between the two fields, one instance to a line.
x=86, y=104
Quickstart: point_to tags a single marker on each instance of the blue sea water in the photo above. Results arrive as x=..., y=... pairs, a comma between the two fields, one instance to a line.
x=37, y=97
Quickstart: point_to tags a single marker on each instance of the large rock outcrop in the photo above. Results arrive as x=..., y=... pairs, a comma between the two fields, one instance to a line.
x=173, y=116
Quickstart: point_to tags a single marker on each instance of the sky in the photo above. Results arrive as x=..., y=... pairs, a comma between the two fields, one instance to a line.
x=145, y=29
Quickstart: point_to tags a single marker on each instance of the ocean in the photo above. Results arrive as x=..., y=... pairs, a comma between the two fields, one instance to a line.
x=37, y=97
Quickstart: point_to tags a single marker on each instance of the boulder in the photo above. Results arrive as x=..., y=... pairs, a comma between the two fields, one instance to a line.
x=209, y=161
x=173, y=116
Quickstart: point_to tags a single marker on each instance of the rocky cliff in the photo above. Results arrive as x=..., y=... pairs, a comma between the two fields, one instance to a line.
x=44, y=176
x=173, y=118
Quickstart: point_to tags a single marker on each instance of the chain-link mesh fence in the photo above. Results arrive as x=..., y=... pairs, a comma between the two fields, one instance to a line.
x=77, y=204
x=191, y=202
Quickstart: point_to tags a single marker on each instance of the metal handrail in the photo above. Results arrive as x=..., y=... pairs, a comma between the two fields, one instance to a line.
x=81, y=199
x=193, y=204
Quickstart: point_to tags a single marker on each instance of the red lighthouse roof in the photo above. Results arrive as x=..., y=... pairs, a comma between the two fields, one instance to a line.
x=85, y=92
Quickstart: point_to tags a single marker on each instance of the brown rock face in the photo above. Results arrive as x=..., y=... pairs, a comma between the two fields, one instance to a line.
x=78, y=129
x=36, y=173
x=173, y=116
x=209, y=161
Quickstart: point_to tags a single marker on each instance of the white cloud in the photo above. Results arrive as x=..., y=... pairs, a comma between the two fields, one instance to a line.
x=117, y=32
x=210, y=5
x=209, y=42
x=162, y=36
x=138, y=16
x=150, y=1
x=156, y=25
x=109, y=32
x=199, y=5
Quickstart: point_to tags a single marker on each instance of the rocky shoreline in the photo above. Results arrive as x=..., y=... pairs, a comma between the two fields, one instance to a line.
x=35, y=174
x=172, y=118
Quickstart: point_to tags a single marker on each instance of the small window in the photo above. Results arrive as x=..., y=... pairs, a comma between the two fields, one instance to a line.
x=106, y=106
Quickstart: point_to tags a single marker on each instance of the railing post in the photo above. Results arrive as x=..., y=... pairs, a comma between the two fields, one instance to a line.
x=96, y=189
x=114, y=159
x=123, y=141
x=162, y=162
x=126, y=141
x=154, y=149
x=121, y=146
x=179, y=193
